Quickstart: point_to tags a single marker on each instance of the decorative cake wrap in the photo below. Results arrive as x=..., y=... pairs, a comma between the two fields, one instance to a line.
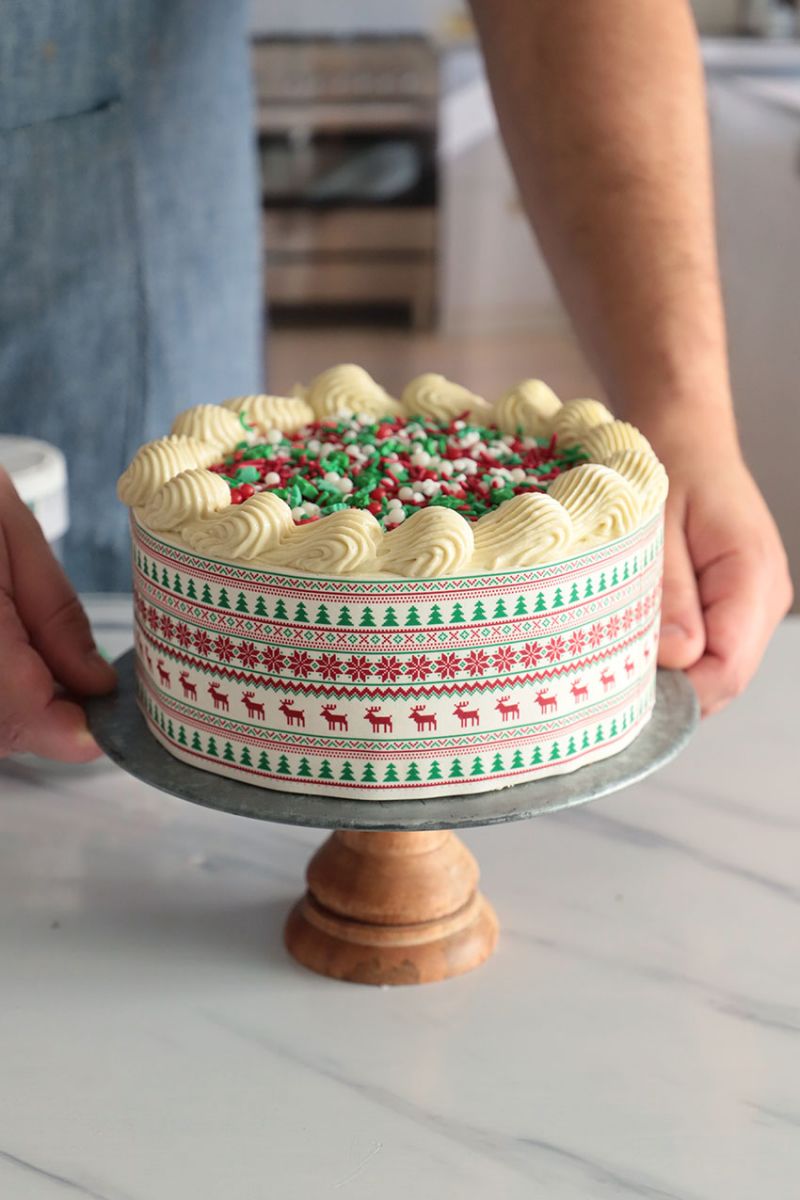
x=344, y=605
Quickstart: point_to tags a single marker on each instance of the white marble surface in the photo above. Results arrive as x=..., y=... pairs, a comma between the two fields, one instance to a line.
x=637, y=1033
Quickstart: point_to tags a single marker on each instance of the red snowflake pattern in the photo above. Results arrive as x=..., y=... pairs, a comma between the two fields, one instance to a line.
x=183, y=634
x=637, y=612
x=595, y=635
x=555, y=649
x=273, y=660
x=447, y=665
x=359, y=668
x=224, y=648
x=328, y=666
x=248, y=654
x=300, y=664
x=167, y=627
x=417, y=667
x=576, y=642
x=627, y=619
x=388, y=668
x=153, y=618
x=504, y=658
x=530, y=655
x=613, y=627
x=202, y=642
x=477, y=661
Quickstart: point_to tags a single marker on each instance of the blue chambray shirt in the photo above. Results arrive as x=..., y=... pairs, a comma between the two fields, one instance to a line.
x=130, y=267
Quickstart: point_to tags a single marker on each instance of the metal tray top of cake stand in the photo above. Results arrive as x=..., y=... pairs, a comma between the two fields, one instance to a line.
x=392, y=895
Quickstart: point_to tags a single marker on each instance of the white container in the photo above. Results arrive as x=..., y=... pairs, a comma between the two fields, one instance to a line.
x=39, y=473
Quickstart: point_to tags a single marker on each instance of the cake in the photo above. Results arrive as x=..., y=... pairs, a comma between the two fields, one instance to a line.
x=345, y=593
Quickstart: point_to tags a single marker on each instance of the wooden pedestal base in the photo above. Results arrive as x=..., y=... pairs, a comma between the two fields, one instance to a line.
x=392, y=908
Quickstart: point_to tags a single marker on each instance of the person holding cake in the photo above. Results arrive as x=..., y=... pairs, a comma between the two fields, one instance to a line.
x=618, y=192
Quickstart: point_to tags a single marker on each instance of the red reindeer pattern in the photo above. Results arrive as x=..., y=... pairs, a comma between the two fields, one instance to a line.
x=294, y=716
x=628, y=666
x=507, y=710
x=220, y=698
x=189, y=688
x=162, y=674
x=580, y=691
x=378, y=723
x=149, y=659
x=335, y=720
x=421, y=719
x=546, y=702
x=467, y=716
x=607, y=680
x=254, y=709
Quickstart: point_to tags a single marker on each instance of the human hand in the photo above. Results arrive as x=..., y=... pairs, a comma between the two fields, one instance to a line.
x=726, y=579
x=46, y=644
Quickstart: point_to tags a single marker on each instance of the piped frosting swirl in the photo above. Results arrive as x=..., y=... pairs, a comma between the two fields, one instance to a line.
x=435, y=541
x=605, y=439
x=348, y=388
x=211, y=423
x=575, y=417
x=433, y=396
x=193, y=495
x=287, y=413
x=344, y=543
x=530, y=407
x=645, y=473
x=523, y=532
x=243, y=531
x=600, y=502
x=156, y=462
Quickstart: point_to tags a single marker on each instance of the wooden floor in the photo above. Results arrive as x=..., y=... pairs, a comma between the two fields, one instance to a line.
x=487, y=365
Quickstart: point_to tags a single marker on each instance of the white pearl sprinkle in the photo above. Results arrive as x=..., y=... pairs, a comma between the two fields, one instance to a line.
x=332, y=477
x=272, y=479
x=394, y=503
x=345, y=485
x=273, y=436
x=298, y=513
x=395, y=516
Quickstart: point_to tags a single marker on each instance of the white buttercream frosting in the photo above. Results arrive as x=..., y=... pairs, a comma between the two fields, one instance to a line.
x=348, y=388
x=193, y=495
x=603, y=440
x=576, y=417
x=530, y=406
x=433, y=542
x=647, y=475
x=437, y=398
x=523, y=532
x=211, y=423
x=243, y=531
x=601, y=503
x=287, y=413
x=340, y=544
x=156, y=462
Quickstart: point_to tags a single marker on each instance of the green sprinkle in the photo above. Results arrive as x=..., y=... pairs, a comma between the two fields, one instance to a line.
x=307, y=490
x=248, y=475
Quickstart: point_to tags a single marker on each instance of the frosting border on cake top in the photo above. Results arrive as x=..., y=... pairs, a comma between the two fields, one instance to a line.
x=173, y=493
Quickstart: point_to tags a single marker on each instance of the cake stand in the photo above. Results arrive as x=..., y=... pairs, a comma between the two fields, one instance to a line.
x=392, y=895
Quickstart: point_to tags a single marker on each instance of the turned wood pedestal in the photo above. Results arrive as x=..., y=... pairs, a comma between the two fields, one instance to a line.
x=392, y=908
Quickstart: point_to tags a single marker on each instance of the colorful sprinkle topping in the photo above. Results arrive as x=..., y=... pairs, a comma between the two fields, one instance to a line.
x=393, y=467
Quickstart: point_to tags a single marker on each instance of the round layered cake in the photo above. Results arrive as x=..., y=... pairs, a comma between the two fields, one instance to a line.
x=343, y=593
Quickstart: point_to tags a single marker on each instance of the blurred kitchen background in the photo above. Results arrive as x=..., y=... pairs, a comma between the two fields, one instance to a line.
x=394, y=235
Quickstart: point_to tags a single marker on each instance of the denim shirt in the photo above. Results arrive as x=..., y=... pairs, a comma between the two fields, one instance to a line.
x=130, y=267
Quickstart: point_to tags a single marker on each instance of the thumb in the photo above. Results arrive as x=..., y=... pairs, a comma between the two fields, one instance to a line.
x=682, y=628
x=47, y=605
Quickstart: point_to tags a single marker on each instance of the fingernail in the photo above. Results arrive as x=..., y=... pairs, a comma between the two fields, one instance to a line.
x=97, y=663
x=673, y=630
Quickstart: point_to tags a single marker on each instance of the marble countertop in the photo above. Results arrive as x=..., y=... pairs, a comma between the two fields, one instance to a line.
x=637, y=1034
